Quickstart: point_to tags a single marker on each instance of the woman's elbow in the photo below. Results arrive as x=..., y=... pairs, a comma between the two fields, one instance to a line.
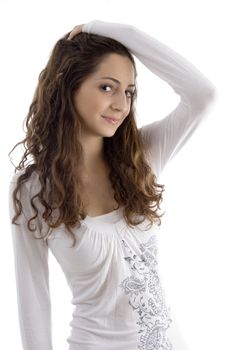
x=206, y=97
x=211, y=94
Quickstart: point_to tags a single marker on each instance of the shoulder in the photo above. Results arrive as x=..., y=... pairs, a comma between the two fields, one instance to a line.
x=27, y=191
x=31, y=185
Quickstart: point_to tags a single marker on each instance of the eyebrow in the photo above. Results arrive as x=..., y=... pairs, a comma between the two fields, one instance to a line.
x=116, y=81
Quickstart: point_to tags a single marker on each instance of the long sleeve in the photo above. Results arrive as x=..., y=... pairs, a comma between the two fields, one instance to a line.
x=32, y=278
x=165, y=137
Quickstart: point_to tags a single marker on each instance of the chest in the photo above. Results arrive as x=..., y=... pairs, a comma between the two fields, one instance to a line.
x=98, y=194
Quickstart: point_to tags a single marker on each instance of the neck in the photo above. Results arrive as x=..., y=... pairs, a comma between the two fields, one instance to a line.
x=92, y=153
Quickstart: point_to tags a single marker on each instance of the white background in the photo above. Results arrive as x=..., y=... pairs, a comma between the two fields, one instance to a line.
x=196, y=239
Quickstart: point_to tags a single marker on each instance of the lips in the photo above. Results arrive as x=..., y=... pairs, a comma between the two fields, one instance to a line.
x=112, y=118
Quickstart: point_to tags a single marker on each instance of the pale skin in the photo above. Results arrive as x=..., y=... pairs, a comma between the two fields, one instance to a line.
x=97, y=98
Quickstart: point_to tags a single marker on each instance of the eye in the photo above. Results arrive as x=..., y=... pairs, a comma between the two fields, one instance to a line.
x=104, y=86
x=130, y=93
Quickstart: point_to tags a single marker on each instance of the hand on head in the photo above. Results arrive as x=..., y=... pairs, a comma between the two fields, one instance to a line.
x=76, y=30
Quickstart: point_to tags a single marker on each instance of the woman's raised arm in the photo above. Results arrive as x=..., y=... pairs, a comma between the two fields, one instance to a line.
x=165, y=137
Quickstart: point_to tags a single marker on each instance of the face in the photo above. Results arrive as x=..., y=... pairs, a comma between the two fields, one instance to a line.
x=106, y=93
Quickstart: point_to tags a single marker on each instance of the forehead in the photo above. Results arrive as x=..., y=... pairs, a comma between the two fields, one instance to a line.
x=118, y=66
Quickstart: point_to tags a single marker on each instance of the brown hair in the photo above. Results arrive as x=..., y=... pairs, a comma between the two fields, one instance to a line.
x=51, y=141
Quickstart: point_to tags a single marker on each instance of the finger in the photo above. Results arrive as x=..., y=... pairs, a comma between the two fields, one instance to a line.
x=76, y=30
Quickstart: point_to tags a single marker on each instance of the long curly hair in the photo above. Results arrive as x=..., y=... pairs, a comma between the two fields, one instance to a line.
x=51, y=141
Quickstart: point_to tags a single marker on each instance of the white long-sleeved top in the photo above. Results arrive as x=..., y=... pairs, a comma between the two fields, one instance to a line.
x=113, y=272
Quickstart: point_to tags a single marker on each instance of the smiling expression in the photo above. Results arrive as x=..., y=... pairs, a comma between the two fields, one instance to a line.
x=106, y=93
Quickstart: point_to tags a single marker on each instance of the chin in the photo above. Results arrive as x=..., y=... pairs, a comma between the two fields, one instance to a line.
x=110, y=134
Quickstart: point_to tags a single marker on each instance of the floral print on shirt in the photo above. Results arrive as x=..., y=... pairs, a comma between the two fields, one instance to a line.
x=146, y=296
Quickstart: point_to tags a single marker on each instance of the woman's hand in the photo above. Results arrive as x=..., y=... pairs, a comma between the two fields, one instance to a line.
x=76, y=30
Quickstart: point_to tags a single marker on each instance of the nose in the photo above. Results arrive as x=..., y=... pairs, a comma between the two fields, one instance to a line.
x=121, y=103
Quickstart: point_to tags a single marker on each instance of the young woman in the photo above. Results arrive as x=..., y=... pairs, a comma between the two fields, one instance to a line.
x=90, y=192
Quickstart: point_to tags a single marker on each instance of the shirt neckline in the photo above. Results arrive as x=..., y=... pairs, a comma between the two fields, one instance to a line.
x=111, y=217
x=106, y=214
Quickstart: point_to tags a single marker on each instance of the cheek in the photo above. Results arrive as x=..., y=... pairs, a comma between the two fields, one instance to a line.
x=96, y=104
x=90, y=105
